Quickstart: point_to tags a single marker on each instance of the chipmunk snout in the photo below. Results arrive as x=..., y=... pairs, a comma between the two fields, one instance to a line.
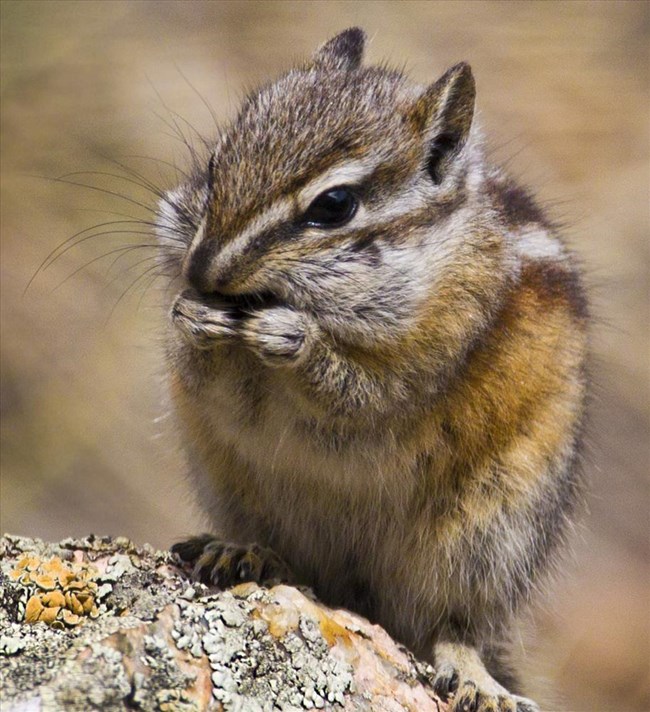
x=199, y=272
x=214, y=269
x=226, y=291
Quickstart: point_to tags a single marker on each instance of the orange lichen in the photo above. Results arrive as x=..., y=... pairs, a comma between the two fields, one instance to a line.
x=62, y=593
x=332, y=630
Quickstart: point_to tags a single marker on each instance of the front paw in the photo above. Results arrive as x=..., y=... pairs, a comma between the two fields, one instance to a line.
x=218, y=563
x=203, y=322
x=280, y=336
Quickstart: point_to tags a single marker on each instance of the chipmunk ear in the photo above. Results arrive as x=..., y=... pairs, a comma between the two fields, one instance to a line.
x=444, y=114
x=344, y=51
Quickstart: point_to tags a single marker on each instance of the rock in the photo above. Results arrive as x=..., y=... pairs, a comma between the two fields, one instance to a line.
x=100, y=624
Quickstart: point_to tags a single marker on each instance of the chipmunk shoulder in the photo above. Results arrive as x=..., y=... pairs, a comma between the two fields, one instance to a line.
x=376, y=359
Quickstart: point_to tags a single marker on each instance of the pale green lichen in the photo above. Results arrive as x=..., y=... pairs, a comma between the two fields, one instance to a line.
x=166, y=684
x=259, y=654
x=162, y=643
x=255, y=670
x=43, y=659
x=99, y=682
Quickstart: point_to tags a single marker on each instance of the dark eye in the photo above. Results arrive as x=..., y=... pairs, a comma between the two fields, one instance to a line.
x=332, y=208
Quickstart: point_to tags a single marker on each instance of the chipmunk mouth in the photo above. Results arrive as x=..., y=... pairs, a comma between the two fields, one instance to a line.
x=239, y=305
x=248, y=302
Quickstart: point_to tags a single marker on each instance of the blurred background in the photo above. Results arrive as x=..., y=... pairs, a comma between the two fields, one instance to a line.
x=563, y=90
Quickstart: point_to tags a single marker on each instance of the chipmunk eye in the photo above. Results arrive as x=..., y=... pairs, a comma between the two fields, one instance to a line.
x=332, y=208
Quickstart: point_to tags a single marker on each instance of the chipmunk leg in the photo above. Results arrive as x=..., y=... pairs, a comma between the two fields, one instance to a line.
x=461, y=672
x=202, y=322
x=280, y=336
x=285, y=338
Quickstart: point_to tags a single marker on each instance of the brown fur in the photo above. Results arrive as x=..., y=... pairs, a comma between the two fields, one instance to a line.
x=393, y=405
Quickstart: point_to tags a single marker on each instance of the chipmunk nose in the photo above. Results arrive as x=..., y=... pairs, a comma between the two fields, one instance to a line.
x=201, y=272
x=216, y=266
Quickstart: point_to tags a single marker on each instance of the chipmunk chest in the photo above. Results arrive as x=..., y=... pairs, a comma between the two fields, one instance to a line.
x=231, y=401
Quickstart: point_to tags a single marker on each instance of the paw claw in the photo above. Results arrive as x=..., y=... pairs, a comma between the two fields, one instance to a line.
x=467, y=698
x=278, y=335
x=189, y=550
x=224, y=565
x=523, y=704
x=459, y=671
x=202, y=323
x=445, y=683
x=506, y=703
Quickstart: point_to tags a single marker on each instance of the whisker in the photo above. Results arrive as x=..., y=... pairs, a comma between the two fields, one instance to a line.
x=129, y=289
x=144, y=185
x=126, y=269
x=113, y=212
x=127, y=248
x=174, y=166
x=146, y=289
x=173, y=114
x=147, y=183
x=202, y=99
x=47, y=261
x=53, y=256
x=106, y=191
x=91, y=237
x=175, y=127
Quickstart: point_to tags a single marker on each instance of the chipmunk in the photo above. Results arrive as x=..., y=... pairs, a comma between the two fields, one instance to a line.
x=377, y=362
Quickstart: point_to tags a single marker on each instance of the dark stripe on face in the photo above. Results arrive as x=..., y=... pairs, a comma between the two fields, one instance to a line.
x=197, y=270
x=361, y=241
x=251, y=200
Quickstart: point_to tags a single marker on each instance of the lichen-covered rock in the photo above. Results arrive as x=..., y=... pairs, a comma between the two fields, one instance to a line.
x=100, y=624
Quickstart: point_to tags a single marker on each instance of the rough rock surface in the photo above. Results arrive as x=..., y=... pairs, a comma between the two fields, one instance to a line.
x=100, y=624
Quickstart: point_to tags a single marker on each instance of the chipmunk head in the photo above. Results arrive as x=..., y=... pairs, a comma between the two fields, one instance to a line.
x=334, y=191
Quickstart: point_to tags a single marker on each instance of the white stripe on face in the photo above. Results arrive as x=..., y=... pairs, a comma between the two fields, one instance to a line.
x=349, y=173
x=412, y=197
x=167, y=217
x=228, y=255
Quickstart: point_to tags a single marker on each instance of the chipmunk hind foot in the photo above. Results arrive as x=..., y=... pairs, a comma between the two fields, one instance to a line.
x=459, y=671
